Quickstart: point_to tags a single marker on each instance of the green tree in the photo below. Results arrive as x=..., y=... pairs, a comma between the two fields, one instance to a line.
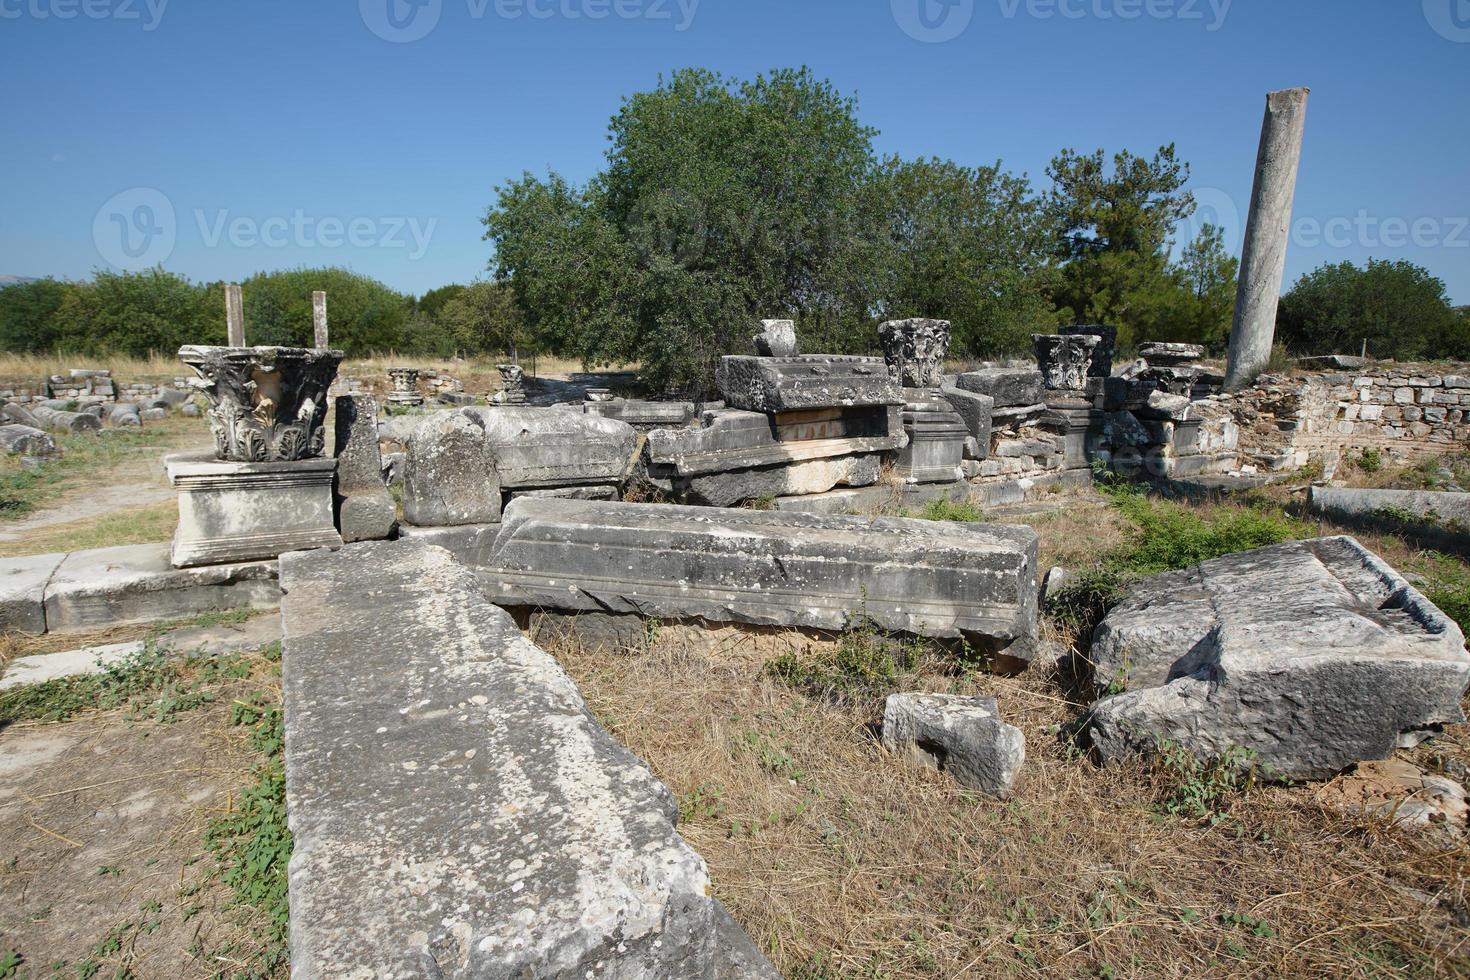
x=28, y=311
x=1206, y=277
x=1399, y=308
x=1114, y=232
x=363, y=314
x=968, y=245
x=722, y=202
x=484, y=319
x=433, y=301
x=135, y=313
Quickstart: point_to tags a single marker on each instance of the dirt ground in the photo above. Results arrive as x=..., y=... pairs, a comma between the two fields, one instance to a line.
x=103, y=863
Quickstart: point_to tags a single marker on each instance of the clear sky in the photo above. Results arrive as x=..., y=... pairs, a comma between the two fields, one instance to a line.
x=223, y=137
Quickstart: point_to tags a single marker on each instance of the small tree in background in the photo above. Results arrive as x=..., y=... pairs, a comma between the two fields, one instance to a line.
x=1399, y=308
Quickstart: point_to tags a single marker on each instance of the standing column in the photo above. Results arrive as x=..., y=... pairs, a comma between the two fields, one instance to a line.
x=234, y=316
x=1263, y=259
x=319, y=319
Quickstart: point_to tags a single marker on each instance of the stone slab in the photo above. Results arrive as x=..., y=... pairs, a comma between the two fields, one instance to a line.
x=449, y=476
x=807, y=476
x=456, y=809
x=365, y=509
x=472, y=544
x=962, y=736
x=253, y=634
x=786, y=384
x=976, y=410
x=233, y=512
x=768, y=568
x=1313, y=655
x=137, y=584
x=1007, y=387
x=731, y=439
x=1450, y=511
x=556, y=447
x=23, y=584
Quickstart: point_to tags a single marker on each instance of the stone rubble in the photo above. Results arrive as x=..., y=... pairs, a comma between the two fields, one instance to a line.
x=962, y=736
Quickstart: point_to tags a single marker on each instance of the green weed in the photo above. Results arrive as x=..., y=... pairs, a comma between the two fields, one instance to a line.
x=864, y=663
x=1202, y=788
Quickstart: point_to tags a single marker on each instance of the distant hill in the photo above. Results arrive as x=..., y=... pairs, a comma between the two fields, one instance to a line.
x=15, y=280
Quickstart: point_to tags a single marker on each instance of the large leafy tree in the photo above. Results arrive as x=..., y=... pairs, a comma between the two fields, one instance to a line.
x=136, y=313
x=484, y=319
x=970, y=245
x=28, y=314
x=722, y=202
x=1398, y=308
x=1114, y=228
x=363, y=314
x=1204, y=304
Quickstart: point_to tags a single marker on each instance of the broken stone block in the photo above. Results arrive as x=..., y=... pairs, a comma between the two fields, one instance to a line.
x=1313, y=655
x=456, y=809
x=729, y=440
x=449, y=477
x=642, y=415
x=153, y=414
x=772, y=568
x=936, y=445
x=20, y=416
x=777, y=338
x=963, y=736
x=68, y=422
x=23, y=591
x=1170, y=355
x=787, y=384
x=1401, y=793
x=806, y=476
x=1163, y=405
x=915, y=350
x=233, y=512
x=1008, y=387
x=977, y=411
x=124, y=413
x=365, y=508
x=555, y=447
x=1431, y=507
x=26, y=441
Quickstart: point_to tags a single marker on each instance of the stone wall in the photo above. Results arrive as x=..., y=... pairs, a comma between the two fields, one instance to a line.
x=1403, y=411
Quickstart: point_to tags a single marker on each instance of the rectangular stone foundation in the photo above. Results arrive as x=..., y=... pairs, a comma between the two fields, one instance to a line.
x=976, y=581
x=233, y=512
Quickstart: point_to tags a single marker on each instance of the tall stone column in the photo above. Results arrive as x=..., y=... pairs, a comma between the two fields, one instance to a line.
x=1263, y=259
x=234, y=316
x=319, y=320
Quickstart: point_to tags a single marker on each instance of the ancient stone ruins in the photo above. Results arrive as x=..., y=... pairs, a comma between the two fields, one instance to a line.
x=455, y=807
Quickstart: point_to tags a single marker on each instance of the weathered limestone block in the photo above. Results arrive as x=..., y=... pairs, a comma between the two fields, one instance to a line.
x=777, y=338
x=642, y=415
x=915, y=350
x=936, y=445
x=138, y=584
x=233, y=512
x=1170, y=355
x=787, y=384
x=1313, y=655
x=733, y=487
x=555, y=447
x=730, y=439
x=153, y=414
x=456, y=809
x=124, y=413
x=977, y=411
x=69, y=422
x=768, y=568
x=1008, y=387
x=1163, y=405
x=21, y=416
x=962, y=736
x=365, y=508
x=1448, y=510
x=23, y=584
x=450, y=476
x=22, y=439
x=1106, y=350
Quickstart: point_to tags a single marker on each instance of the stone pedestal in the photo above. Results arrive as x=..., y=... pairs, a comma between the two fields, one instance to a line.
x=1080, y=425
x=405, y=392
x=233, y=512
x=936, y=448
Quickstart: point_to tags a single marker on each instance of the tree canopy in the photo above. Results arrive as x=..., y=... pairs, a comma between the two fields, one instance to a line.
x=1398, y=308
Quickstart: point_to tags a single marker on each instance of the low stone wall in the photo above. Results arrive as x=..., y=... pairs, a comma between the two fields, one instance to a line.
x=1405, y=412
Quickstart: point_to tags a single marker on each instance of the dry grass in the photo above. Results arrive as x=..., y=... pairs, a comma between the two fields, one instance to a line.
x=842, y=861
x=35, y=367
x=132, y=525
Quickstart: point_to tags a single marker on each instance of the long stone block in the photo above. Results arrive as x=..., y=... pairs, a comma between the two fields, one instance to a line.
x=1437, y=507
x=556, y=447
x=1312, y=655
x=769, y=568
x=137, y=584
x=731, y=439
x=23, y=591
x=456, y=810
x=1008, y=387
x=785, y=384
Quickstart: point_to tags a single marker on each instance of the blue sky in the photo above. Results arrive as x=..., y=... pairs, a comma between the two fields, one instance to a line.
x=226, y=137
